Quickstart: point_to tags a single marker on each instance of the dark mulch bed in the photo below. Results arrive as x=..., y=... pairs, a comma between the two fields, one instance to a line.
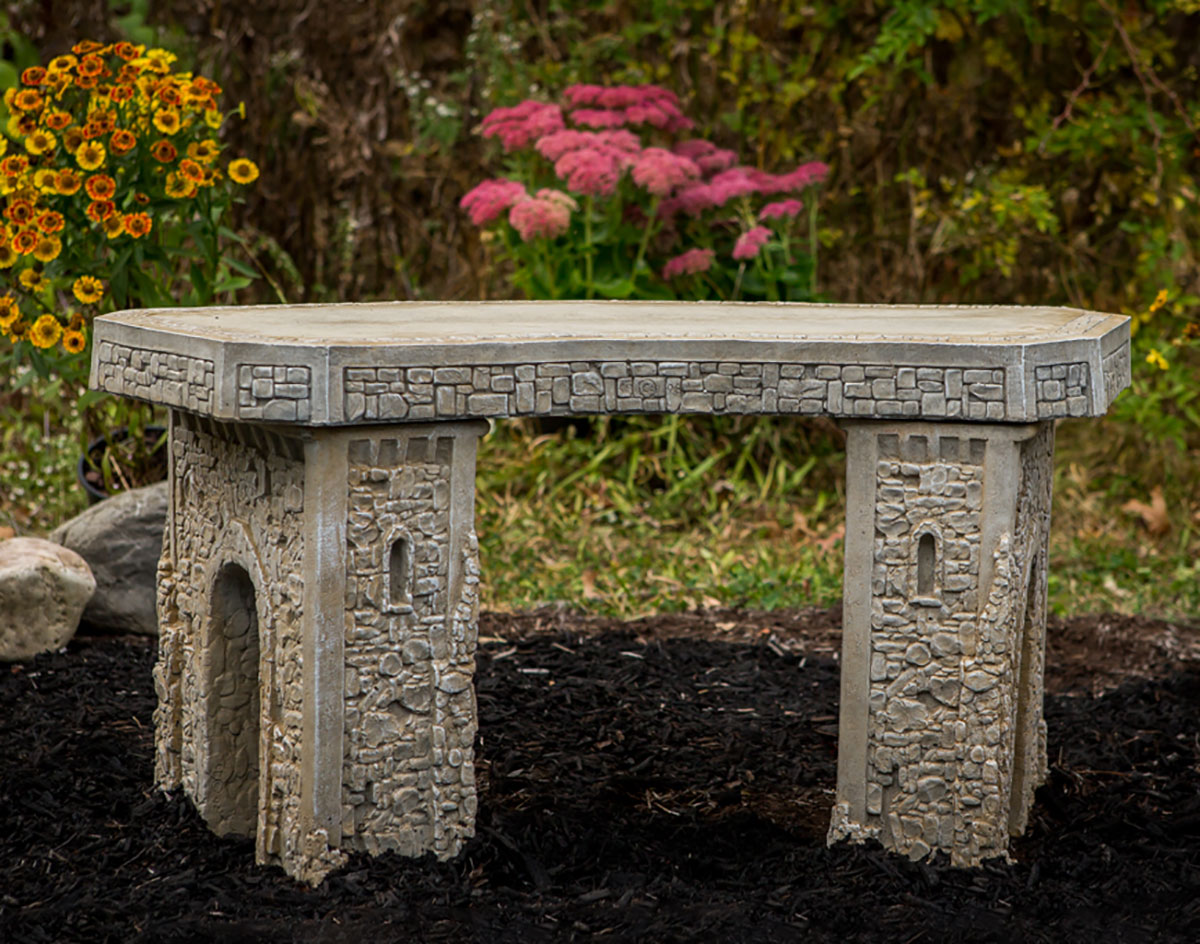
x=654, y=781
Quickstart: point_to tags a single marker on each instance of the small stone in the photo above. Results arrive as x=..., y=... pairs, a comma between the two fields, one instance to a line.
x=121, y=539
x=43, y=590
x=917, y=654
x=944, y=644
x=979, y=681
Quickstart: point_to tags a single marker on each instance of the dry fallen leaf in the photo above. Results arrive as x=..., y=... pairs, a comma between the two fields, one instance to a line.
x=1153, y=515
x=6, y=533
x=588, y=579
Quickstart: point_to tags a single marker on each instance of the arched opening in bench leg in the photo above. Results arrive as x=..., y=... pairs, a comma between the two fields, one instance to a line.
x=231, y=772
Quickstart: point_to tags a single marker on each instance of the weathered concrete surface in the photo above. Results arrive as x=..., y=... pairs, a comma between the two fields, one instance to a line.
x=941, y=741
x=121, y=540
x=419, y=361
x=318, y=588
x=43, y=589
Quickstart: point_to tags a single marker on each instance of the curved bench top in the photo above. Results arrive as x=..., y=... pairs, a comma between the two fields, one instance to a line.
x=349, y=364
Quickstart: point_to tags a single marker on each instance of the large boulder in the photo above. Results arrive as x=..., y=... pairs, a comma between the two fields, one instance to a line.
x=43, y=589
x=121, y=539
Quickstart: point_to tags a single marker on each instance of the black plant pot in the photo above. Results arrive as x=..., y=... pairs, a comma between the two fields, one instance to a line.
x=86, y=472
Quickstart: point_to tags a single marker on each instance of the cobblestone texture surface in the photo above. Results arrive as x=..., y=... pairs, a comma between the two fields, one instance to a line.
x=956, y=739
x=282, y=394
x=225, y=474
x=409, y=782
x=424, y=393
x=1062, y=390
x=170, y=379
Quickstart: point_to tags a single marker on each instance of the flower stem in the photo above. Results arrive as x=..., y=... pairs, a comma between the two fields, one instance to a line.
x=587, y=244
x=637, y=263
x=812, y=243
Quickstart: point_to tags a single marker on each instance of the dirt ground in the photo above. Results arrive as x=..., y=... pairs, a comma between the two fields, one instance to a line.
x=662, y=780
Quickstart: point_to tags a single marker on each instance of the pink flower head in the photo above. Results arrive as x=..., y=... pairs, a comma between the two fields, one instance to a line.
x=546, y=193
x=660, y=171
x=688, y=263
x=554, y=146
x=622, y=96
x=814, y=172
x=737, y=182
x=623, y=142
x=750, y=242
x=598, y=117
x=489, y=199
x=780, y=208
x=661, y=114
x=547, y=216
x=589, y=170
x=576, y=95
x=517, y=126
x=708, y=157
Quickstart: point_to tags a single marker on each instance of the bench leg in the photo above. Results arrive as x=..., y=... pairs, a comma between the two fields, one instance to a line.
x=941, y=737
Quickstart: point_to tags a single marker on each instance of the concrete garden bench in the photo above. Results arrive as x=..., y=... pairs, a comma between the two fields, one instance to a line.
x=318, y=589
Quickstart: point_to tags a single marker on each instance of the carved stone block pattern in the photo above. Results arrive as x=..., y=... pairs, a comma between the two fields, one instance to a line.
x=408, y=784
x=1062, y=390
x=1115, y=368
x=574, y=387
x=158, y=376
x=956, y=741
x=282, y=394
x=237, y=499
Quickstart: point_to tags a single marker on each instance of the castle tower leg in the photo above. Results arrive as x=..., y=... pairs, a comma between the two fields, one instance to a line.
x=941, y=737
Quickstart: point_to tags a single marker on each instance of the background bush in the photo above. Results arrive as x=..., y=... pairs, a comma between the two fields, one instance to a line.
x=981, y=152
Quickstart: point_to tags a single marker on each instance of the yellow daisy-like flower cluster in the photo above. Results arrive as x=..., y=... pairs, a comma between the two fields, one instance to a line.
x=104, y=145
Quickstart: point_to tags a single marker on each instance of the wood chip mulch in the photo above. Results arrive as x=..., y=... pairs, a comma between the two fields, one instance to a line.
x=662, y=780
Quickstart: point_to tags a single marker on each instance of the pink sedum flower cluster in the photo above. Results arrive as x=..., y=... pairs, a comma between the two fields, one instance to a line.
x=596, y=106
x=593, y=137
x=659, y=171
x=546, y=214
x=689, y=263
x=516, y=127
x=780, y=209
x=750, y=242
x=487, y=201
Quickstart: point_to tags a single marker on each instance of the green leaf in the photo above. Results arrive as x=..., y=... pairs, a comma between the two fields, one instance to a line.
x=614, y=288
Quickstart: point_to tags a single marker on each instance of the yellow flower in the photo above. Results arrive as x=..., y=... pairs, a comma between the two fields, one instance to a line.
x=3, y=145
x=19, y=125
x=178, y=187
x=74, y=341
x=213, y=118
x=10, y=311
x=166, y=120
x=43, y=180
x=1157, y=360
x=243, y=171
x=157, y=60
x=7, y=256
x=203, y=151
x=1159, y=300
x=88, y=289
x=32, y=279
x=47, y=249
x=113, y=226
x=62, y=63
x=40, y=142
x=90, y=155
x=45, y=332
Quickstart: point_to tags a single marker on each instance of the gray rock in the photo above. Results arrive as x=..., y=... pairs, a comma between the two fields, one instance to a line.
x=121, y=540
x=43, y=589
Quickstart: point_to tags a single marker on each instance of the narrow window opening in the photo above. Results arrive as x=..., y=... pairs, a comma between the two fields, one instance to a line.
x=399, y=569
x=926, y=550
